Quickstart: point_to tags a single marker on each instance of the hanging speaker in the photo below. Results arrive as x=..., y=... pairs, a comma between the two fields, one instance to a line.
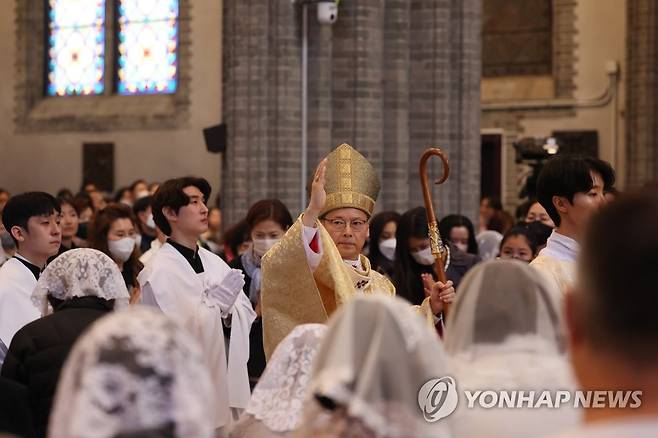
x=215, y=138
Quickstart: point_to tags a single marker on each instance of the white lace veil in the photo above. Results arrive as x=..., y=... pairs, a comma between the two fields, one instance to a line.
x=278, y=397
x=135, y=371
x=376, y=356
x=503, y=304
x=505, y=333
x=79, y=273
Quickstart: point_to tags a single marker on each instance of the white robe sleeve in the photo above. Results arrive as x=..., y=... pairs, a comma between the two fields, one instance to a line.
x=242, y=316
x=313, y=258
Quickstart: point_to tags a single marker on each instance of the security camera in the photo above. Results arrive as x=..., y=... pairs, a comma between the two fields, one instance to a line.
x=327, y=11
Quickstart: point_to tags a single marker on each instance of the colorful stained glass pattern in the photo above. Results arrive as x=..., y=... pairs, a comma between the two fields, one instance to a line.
x=148, y=41
x=76, y=47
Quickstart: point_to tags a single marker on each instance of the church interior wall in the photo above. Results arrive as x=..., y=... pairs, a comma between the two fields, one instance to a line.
x=52, y=160
x=593, y=44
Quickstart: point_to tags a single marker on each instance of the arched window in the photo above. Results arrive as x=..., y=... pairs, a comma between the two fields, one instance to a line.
x=76, y=47
x=148, y=38
x=112, y=46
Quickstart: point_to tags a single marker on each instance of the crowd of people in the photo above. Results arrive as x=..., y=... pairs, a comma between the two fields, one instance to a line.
x=143, y=315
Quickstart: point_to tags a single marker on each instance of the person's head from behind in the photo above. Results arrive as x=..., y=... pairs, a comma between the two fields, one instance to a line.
x=33, y=220
x=348, y=228
x=286, y=378
x=518, y=244
x=133, y=373
x=611, y=311
x=179, y=207
x=571, y=188
x=81, y=272
x=504, y=303
x=458, y=230
x=540, y=233
x=383, y=227
x=267, y=221
x=537, y=213
x=377, y=352
x=113, y=232
x=144, y=214
x=69, y=219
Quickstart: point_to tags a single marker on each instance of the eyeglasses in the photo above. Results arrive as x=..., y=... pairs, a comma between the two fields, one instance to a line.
x=340, y=224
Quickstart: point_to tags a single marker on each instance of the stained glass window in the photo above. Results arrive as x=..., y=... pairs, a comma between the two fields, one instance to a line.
x=148, y=39
x=76, y=47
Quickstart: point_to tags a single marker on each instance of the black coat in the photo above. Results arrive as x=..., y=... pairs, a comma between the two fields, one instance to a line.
x=38, y=351
x=15, y=412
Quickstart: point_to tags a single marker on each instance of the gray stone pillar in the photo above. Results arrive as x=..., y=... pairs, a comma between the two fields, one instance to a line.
x=389, y=77
x=642, y=93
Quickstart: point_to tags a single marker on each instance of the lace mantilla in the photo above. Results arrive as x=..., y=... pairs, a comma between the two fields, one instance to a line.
x=134, y=370
x=278, y=398
x=80, y=272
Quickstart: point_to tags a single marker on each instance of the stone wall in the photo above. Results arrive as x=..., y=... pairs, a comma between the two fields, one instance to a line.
x=389, y=77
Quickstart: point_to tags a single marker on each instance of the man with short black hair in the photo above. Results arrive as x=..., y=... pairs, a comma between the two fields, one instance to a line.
x=611, y=317
x=570, y=188
x=32, y=219
x=197, y=289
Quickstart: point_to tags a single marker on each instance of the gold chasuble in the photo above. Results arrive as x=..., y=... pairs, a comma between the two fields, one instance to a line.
x=292, y=293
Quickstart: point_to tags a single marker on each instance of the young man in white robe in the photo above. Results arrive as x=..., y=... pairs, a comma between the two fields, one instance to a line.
x=571, y=188
x=198, y=290
x=611, y=319
x=32, y=219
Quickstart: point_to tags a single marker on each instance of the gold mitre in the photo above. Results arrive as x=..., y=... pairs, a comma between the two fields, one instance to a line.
x=350, y=181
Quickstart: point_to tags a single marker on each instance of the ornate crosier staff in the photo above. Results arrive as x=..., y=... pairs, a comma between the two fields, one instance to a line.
x=439, y=250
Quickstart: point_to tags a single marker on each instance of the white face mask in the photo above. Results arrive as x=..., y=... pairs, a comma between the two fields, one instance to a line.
x=122, y=249
x=462, y=247
x=424, y=256
x=150, y=222
x=387, y=248
x=261, y=246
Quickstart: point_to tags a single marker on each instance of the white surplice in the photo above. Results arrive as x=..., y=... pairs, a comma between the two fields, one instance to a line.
x=169, y=283
x=557, y=261
x=16, y=308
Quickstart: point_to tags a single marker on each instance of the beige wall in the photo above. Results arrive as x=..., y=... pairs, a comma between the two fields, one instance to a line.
x=51, y=161
x=601, y=37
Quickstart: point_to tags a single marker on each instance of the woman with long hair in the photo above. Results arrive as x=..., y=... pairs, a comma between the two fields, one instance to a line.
x=414, y=263
x=265, y=224
x=114, y=232
x=381, y=249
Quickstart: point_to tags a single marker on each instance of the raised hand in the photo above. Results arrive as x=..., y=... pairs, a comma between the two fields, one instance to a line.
x=318, y=195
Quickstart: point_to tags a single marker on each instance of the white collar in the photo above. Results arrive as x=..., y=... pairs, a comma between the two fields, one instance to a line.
x=561, y=247
x=356, y=264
